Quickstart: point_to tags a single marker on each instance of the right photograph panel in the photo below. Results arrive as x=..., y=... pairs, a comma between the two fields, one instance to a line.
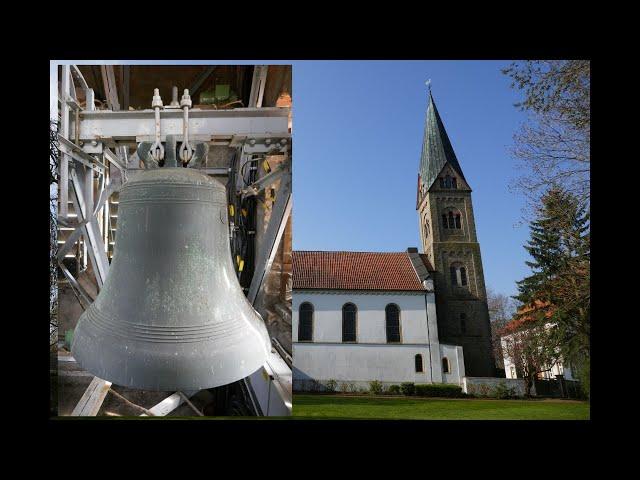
x=440, y=223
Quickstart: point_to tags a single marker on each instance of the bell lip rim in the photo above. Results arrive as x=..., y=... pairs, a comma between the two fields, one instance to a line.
x=177, y=387
x=245, y=371
x=250, y=343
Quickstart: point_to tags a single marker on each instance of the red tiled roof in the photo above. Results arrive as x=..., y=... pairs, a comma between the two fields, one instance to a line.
x=355, y=271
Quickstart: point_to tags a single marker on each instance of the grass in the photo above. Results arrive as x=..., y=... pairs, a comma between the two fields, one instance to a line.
x=402, y=408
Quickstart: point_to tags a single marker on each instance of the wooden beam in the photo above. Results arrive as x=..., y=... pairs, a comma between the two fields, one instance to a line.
x=257, y=86
x=110, y=88
x=200, y=79
x=126, y=86
x=169, y=404
x=166, y=406
x=95, y=71
x=91, y=401
x=66, y=358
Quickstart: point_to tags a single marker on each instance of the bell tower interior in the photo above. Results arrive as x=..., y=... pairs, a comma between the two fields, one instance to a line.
x=231, y=123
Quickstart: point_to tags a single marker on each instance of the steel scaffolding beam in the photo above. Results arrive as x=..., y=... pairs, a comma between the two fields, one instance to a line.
x=139, y=125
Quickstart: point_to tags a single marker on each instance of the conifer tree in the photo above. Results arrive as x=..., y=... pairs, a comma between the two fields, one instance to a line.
x=558, y=290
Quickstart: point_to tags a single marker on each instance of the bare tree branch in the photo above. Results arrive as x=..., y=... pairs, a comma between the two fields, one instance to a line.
x=553, y=146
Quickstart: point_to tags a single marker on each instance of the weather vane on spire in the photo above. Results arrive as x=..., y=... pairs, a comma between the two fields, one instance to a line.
x=428, y=84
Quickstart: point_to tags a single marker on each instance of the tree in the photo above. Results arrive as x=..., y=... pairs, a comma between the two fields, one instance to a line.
x=544, y=248
x=501, y=311
x=554, y=148
x=532, y=348
x=558, y=289
x=554, y=144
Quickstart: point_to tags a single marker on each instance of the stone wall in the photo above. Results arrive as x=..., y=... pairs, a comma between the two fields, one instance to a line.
x=311, y=385
x=485, y=386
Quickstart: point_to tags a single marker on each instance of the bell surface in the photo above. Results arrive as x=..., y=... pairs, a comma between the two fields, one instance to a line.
x=171, y=314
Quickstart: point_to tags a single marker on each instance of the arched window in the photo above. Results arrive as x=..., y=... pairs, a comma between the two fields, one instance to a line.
x=463, y=276
x=458, y=274
x=418, y=363
x=305, y=322
x=448, y=182
x=445, y=365
x=349, y=312
x=452, y=219
x=453, y=271
x=426, y=227
x=463, y=323
x=392, y=317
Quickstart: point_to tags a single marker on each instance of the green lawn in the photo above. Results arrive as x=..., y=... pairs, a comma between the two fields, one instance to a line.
x=345, y=407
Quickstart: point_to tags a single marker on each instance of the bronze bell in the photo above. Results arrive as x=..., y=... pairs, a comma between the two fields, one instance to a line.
x=171, y=314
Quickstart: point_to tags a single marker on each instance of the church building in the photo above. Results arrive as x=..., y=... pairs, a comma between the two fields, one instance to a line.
x=400, y=316
x=448, y=232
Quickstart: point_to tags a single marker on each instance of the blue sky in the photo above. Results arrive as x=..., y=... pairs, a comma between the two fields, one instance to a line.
x=357, y=130
x=357, y=136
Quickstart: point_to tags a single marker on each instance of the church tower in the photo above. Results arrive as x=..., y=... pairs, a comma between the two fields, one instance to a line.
x=448, y=233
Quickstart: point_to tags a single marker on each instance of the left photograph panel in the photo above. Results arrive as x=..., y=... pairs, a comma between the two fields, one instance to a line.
x=170, y=240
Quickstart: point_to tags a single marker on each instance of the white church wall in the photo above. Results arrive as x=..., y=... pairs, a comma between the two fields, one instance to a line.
x=454, y=354
x=370, y=358
x=370, y=323
x=359, y=363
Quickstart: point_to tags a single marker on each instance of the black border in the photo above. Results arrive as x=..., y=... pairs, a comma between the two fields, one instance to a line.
x=416, y=37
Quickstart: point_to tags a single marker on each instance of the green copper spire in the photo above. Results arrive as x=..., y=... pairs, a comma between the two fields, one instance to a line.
x=436, y=148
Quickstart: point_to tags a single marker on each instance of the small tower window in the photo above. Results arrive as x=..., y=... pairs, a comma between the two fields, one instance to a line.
x=458, y=273
x=445, y=365
x=418, y=360
x=452, y=219
x=448, y=182
x=463, y=323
